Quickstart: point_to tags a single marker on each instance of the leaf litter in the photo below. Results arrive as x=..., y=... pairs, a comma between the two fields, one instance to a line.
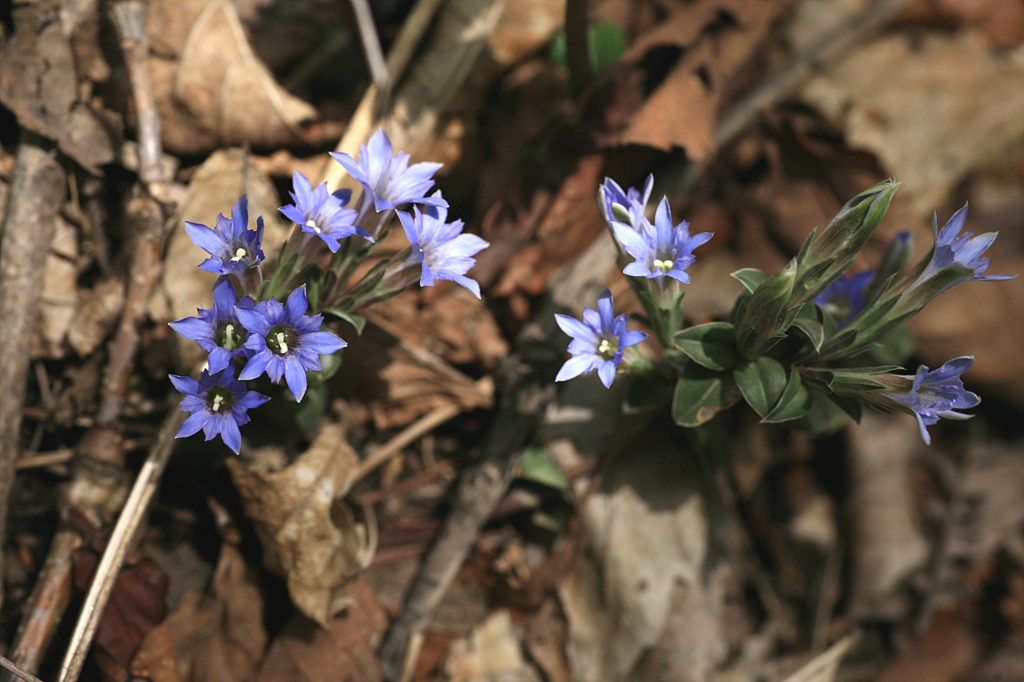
x=625, y=572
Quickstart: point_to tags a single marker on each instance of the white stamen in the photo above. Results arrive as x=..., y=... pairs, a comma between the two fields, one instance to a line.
x=604, y=347
x=239, y=254
x=664, y=265
x=281, y=343
x=217, y=400
x=311, y=223
x=229, y=336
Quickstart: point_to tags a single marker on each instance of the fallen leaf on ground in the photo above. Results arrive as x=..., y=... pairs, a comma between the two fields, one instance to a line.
x=492, y=651
x=210, y=88
x=309, y=535
x=345, y=648
x=218, y=637
x=60, y=292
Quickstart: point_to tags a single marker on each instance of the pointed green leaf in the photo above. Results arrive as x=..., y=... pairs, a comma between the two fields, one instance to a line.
x=358, y=322
x=813, y=330
x=823, y=415
x=711, y=345
x=537, y=465
x=700, y=394
x=794, y=403
x=762, y=382
x=751, y=278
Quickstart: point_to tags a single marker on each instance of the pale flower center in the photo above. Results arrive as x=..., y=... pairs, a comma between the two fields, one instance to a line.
x=229, y=336
x=217, y=401
x=664, y=265
x=312, y=223
x=282, y=344
x=239, y=254
x=608, y=348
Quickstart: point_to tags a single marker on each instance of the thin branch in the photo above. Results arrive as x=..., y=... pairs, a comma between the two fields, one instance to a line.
x=7, y=665
x=117, y=547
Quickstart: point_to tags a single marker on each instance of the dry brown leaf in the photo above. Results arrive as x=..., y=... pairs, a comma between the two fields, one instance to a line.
x=491, y=651
x=931, y=107
x=59, y=301
x=99, y=309
x=1002, y=20
x=215, y=638
x=211, y=89
x=648, y=537
x=308, y=534
x=719, y=37
x=38, y=83
x=344, y=649
x=215, y=187
x=945, y=652
x=525, y=26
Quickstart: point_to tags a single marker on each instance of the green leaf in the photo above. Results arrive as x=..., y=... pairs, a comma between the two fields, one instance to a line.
x=647, y=393
x=894, y=347
x=537, y=465
x=812, y=329
x=751, y=278
x=312, y=408
x=331, y=365
x=762, y=382
x=358, y=322
x=823, y=415
x=794, y=403
x=605, y=42
x=851, y=406
x=700, y=394
x=711, y=345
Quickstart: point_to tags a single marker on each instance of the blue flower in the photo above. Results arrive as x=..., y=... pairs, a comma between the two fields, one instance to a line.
x=659, y=249
x=217, y=330
x=233, y=248
x=321, y=213
x=845, y=297
x=597, y=341
x=936, y=394
x=387, y=177
x=285, y=341
x=218, y=404
x=965, y=250
x=441, y=248
x=632, y=202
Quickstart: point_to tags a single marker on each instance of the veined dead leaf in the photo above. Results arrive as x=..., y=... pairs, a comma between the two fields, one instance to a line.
x=309, y=536
x=211, y=89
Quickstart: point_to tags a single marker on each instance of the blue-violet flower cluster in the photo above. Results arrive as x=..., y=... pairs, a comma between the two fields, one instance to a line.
x=937, y=394
x=597, y=341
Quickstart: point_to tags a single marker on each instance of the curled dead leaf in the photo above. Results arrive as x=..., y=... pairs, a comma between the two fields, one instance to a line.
x=309, y=535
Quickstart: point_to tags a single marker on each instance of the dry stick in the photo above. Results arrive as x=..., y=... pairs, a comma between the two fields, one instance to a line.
x=36, y=195
x=526, y=391
x=117, y=547
x=130, y=18
x=7, y=665
x=371, y=47
x=367, y=114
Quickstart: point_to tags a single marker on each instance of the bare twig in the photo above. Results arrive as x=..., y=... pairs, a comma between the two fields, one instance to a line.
x=117, y=547
x=36, y=195
x=371, y=47
x=7, y=665
x=130, y=19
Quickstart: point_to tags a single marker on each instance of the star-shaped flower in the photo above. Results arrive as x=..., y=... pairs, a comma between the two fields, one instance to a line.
x=660, y=249
x=218, y=404
x=217, y=330
x=633, y=204
x=285, y=341
x=937, y=394
x=441, y=248
x=322, y=213
x=387, y=177
x=597, y=341
x=233, y=248
x=952, y=248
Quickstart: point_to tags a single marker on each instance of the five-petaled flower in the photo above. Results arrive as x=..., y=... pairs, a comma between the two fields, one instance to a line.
x=218, y=404
x=387, y=177
x=952, y=248
x=633, y=204
x=660, y=249
x=233, y=248
x=441, y=248
x=285, y=341
x=936, y=394
x=597, y=341
x=322, y=213
x=217, y=330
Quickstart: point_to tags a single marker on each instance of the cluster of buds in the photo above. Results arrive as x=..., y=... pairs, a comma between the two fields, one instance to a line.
x=798, y=345
x=274, y=324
